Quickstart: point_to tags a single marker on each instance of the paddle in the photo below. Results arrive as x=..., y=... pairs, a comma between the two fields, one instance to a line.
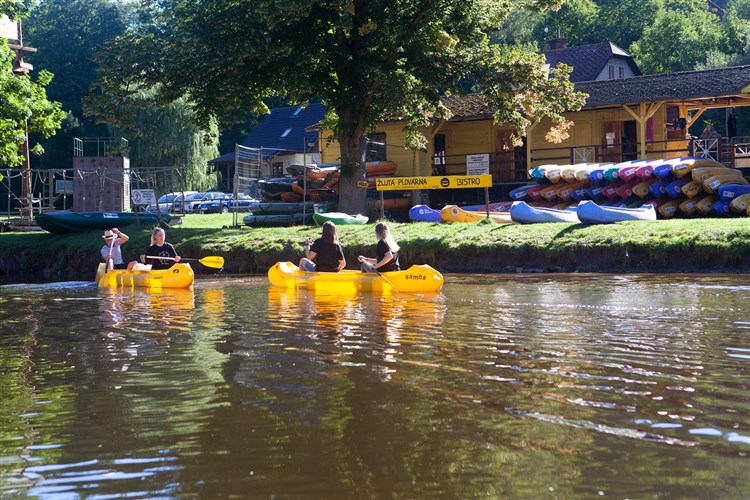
x=210, y=261
x=386, y=280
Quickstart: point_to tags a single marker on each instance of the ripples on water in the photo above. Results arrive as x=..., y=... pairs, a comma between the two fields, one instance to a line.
x=565, y=385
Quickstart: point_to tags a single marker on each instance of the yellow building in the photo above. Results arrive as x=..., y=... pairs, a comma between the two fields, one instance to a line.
x=624, y=119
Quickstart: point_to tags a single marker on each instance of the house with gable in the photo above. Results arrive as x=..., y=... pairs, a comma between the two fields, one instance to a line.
x=283, y=137
x=598, y=61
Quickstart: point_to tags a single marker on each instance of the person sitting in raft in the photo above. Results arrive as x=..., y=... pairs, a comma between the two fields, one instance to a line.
x=386, y=252
x=160, y=248
x=325, y=254
x=111, y=251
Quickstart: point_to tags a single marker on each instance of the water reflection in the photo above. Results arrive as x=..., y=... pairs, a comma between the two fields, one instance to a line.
x=573, y=386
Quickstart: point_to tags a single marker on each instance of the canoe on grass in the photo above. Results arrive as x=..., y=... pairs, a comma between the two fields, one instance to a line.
x=522, y=213
x=177, y=276
x=64, y=221
x=423, y=213
x=339, y=218
x=591, y=213
x=416, y=279
x=276, y=220
x=276, y=208
x=452, y=213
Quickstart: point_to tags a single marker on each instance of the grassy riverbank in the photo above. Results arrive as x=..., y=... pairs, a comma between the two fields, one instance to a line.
x=681, y=245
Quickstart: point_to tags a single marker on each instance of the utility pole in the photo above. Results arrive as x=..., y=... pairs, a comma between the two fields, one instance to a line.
x=21, y=68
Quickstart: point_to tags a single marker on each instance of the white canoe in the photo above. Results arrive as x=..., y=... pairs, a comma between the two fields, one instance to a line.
x=523, y=213
x=591, y=213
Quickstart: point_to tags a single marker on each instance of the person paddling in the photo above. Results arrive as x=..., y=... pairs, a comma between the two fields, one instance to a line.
x=325, y=254
x=386, y=252
x=160, y=248
x=112, y=253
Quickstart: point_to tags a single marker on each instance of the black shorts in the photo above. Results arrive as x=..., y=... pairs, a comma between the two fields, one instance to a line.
x=124, y=265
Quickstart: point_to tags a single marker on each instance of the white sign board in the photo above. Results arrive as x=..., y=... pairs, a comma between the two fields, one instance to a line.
x=478, y=164
x=8, y=28
x=143, y=196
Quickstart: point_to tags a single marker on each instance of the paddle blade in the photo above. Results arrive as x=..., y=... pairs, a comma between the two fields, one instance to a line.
x=212, y=261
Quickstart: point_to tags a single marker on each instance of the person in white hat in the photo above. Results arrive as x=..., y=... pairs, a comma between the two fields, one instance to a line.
x=111, y=252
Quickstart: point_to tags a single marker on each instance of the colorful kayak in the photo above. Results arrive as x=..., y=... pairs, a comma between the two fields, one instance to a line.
x=423, y=213
x=420, y=278
x=452, y=213
x=177, y=276
x=522, y=213
x=591, y=213
x=728, y=192
x=339, y=218
x=64, y=221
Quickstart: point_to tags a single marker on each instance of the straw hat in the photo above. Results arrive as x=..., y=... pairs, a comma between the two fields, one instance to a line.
x=109, y=234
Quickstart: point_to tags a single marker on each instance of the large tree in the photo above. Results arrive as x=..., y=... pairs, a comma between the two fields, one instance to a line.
x=24, y=107
x=370, y=59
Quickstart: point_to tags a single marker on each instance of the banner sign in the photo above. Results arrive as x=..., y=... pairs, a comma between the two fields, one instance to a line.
x=434, y=182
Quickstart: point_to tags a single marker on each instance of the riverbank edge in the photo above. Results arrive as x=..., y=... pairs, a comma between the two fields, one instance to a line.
x=684, y=246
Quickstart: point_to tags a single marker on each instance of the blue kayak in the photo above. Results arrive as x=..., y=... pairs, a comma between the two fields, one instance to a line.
x=423, y=213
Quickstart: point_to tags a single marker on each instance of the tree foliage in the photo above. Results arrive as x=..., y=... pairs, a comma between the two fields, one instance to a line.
x=23, y=103
x=369, y=59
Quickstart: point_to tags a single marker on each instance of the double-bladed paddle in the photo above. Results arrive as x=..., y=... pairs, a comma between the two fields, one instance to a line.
x=210, y=261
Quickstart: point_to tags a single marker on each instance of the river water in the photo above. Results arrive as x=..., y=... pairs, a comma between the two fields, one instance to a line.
x=552, y=386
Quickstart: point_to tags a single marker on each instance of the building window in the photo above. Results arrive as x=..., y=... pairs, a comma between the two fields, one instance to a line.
x=277, y=169
x=375, y=147
x=621, y=72
x=286, y=132
x=611, y=72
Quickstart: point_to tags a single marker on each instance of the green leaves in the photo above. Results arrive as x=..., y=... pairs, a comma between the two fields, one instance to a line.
x=23, y=103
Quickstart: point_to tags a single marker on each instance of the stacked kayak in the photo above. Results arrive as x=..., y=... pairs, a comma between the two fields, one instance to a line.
x=339, y=218
x=419, y=278
x=177, y=276
x=64, y=221
x=277, y=220
x=279, y=214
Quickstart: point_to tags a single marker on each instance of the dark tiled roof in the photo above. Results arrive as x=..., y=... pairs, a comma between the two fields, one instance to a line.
x=589, y=60
x=672, y=87
x=282, y=131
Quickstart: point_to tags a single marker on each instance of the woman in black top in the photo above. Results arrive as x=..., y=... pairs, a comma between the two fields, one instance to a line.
x=325, y=254
x=386, y=253
x=160, y=248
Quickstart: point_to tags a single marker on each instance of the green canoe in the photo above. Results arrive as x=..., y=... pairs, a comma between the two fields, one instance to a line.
x=339, y=218
x=64, y=221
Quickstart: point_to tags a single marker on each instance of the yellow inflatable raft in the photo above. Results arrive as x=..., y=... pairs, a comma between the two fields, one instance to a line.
x=177, y=276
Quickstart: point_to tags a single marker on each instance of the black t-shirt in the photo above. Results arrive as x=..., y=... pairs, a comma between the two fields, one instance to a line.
x=166, y=250
x=327, y=256
x=391, y=265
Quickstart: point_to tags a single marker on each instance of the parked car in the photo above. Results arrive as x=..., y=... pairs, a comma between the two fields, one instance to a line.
x=226, y=204
x=164, y=202
x=189, y=203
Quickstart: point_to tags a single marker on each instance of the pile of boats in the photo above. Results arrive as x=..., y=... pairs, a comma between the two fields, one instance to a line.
x=601, y=193
x=279, y=214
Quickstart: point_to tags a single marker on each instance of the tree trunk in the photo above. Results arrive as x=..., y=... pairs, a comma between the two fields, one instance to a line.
x=352, y=199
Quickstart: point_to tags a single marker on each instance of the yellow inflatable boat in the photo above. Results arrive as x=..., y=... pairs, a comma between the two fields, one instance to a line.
x=177, y=276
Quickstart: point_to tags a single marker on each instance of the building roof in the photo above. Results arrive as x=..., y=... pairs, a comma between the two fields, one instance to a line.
x=283, y=131
x=589, y=60
x=730, y=86
x=686, y=86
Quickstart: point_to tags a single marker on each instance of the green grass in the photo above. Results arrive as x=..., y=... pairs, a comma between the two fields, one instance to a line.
x=670, y=245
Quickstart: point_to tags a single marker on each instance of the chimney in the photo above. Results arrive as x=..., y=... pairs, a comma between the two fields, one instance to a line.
x=558, y=44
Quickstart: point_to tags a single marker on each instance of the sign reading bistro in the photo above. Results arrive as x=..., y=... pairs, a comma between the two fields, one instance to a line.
x=435, y=182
